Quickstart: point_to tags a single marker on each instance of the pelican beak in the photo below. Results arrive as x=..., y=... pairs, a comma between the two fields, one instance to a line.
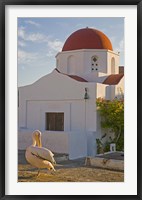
x=34, y=141
x=39, y=143
x=38, y=140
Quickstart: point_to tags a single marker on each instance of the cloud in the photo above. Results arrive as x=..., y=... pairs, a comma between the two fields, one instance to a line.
x=55, y=44
x=26, y=57
x=21, y=32
x=120, y=47
x=32, y=23
x=50, y=53
x=21, y=43
x=36, y=37
x=33, y=37
x=112, y=39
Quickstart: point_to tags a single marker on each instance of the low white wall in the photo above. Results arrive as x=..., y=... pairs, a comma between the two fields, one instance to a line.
x=76, y=143
x=24, y=139
x=107, y=163
x=55, y=141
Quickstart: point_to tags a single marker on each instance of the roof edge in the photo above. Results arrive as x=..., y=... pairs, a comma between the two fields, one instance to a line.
x=75, y=77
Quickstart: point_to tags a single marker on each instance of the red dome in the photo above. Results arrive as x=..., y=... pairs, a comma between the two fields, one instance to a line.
x=87, y=38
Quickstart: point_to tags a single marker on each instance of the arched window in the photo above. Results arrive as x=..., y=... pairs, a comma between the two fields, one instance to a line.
x=71, y=65
x=112, y=66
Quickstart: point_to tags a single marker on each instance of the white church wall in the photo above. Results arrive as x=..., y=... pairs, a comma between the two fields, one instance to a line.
x=36, y=113
x=90, y=119
x=77, y=116
x=119, y=89
x=40, y=98
x=101, y=90
x=70, y=62
x=56, y=141
x=33, y=115
x=74, y=114
x=75, y=143
x=61, y=94
x=24, y=138
x=91, y=143
x=115, y=91
x=83, y=115
x=41, y=91
x=101, y=62
x=110, y=92
x=113, y=59
x=79, y=62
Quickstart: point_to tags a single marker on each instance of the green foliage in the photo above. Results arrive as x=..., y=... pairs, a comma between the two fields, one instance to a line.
x=99, y=146
x=103, y=147
x=112, y=120
x=107, y=146
x=120, y=143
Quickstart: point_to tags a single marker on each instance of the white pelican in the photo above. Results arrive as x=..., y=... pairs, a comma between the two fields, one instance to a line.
x=39, y=156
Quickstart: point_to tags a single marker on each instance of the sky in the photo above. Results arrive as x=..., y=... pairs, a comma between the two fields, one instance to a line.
x=40, y=39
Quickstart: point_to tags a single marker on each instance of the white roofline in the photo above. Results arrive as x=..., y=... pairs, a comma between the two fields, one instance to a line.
x=87, y=50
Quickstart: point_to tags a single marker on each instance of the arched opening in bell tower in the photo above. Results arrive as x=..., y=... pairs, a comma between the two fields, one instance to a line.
x=71, y=65
x=113, y=66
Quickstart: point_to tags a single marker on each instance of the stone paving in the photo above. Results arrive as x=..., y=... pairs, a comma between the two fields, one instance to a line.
x=66, y=171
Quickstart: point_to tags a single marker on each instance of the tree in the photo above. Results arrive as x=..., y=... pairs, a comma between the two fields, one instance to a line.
x=112, y=119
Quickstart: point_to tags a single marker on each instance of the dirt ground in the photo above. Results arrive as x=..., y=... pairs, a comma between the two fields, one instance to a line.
x=66, y=171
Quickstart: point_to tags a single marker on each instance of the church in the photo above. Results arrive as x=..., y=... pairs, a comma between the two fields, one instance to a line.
x=62, y=104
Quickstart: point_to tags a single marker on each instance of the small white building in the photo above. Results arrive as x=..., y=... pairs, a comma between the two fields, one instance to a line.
x=62, y=104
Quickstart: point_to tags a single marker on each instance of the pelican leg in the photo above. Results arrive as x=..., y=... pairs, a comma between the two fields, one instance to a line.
x=38, y=173
x=53, y=171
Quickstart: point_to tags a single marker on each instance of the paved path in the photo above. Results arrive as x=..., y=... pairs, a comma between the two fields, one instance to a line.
x=66, y=171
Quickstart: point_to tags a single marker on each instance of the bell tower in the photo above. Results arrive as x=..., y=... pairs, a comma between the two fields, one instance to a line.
x=88, y=52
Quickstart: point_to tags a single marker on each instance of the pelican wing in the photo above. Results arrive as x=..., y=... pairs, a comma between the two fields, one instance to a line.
x=43, y=153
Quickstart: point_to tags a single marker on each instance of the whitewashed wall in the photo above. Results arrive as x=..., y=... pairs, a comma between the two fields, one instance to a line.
x=120, y=88
x=81, y=61
x=55, y=141
x=114, y=55
x=76, y=143
x=64, y=63
x=101, y=90
x=57, y=93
